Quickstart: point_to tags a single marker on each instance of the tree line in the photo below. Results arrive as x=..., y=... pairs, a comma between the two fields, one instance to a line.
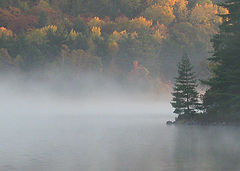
x=107, y=35
x=131, y=38
x=221, y=102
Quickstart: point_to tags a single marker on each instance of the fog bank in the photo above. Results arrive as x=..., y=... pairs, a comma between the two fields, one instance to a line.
x=92, y=95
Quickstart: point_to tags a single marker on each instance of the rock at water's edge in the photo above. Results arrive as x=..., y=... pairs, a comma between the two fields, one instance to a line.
x=169, y=123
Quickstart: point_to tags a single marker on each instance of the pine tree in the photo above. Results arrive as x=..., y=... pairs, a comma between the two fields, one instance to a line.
x=185, y=96
x=222, y=100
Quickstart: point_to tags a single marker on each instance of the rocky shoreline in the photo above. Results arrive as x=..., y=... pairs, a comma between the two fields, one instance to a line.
x=202, y=123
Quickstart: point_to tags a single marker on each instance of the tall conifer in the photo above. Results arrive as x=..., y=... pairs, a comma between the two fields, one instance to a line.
x=185, y=96
x=222, y=100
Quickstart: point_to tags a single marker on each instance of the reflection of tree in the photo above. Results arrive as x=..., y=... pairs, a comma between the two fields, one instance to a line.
x=185, y=151
x=206, y=148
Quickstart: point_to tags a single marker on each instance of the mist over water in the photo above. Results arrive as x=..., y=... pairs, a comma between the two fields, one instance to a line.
x=92, y=95
x=98, y=124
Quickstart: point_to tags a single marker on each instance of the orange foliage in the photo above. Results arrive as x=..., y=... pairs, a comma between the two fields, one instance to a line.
x=23, y=22
x=96, y=31
x=138, y=73
x=113, y=47
x=13, y=19
x=53, y=15
x=8, y=15
x=5, y=32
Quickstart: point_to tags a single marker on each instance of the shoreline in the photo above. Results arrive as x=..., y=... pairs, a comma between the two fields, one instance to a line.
x=202, y=123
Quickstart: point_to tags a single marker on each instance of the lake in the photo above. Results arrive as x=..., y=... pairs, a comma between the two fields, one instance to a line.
x=114, y=142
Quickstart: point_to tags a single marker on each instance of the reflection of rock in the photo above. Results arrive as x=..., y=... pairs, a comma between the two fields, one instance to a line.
x=170, y=123
x=199, y=122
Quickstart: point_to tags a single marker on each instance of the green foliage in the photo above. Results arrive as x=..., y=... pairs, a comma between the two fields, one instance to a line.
x=81, y=26
x=43, y=19
x=117, y=32
x=160, y=13
x=78, y=60
x=185, y=96
x=5, y=59
x=222, y=100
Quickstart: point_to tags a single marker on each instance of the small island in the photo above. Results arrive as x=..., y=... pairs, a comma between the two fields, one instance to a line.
x=220, y=104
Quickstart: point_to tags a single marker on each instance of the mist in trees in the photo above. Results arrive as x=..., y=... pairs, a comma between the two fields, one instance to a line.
x=37, y=33
x=87, y=84
x=132, y=41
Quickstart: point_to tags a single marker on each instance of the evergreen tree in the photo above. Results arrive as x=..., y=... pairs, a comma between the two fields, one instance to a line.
x=222, y=100
x=185, y=96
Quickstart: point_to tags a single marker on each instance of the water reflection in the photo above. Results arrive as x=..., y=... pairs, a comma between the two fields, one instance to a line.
x=115, y=143
x=207, y=148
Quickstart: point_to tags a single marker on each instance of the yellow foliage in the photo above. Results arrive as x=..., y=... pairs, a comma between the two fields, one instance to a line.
x=141, y=21
x=38, y=35
x=52, y=28
x=161, y=13
x=113, y=47
x=167, y=2
x=172, y=2
x=159, y=35
x=222, y=10
x=182, y=2
x=181, y=10
x=116, y=36
x=207, y=14
x=96, y=22
x=160, y=32
x=134, y=35
x=96, y=31
x=123, y=33
x=5, y=32
x=72, y=35
x=44, y=4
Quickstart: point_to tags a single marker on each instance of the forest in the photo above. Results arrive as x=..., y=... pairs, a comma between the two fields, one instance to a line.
x=107, y=35
x=130, y=39
x=221, y=101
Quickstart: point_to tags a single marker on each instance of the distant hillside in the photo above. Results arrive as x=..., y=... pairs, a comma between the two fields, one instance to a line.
x=107, y=35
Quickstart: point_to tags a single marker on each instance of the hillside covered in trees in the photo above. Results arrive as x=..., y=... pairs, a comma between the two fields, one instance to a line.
x=107, y=35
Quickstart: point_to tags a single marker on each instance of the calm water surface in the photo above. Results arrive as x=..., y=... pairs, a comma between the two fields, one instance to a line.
x=109, y=143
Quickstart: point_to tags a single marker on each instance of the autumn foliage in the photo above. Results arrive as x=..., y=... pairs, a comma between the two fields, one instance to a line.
x=108, y=36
